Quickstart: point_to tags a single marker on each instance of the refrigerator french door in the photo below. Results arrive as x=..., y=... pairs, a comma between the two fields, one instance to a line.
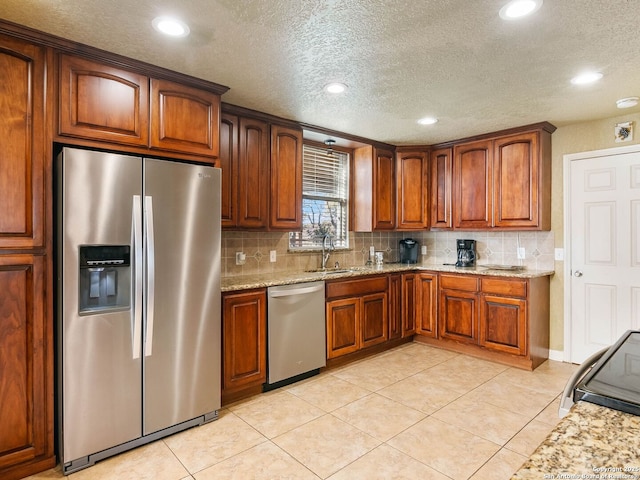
x=138, y=303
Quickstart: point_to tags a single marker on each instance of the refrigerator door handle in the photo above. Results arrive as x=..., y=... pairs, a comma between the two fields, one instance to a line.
x=136, y=240
x=148, y=217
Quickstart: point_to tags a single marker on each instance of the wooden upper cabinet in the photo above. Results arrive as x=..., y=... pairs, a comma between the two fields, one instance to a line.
x=373, y=190
x=100, y=102
x=412, y=195
x=25, y=146
x=228, y=163
x=253, y=173
x=441, y=188
x=286, y=178
x=519, y=199
x=184, y=119
x=472, y=181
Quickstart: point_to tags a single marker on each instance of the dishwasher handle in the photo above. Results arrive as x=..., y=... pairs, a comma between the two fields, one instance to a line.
x=295, y=291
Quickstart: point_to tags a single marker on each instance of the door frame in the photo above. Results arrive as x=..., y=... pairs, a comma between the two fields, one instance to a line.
x=567, y=159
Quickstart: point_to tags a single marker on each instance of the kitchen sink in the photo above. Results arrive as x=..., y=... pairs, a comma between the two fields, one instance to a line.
x=329, y=271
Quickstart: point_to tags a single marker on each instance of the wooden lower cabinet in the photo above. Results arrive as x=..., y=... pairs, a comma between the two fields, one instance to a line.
x=244, y=341
x=427, y=304
x=26, y=362
x=408, y=304
x=356, y=314
x=503, y=324
x=395, y=306
x=458, y=312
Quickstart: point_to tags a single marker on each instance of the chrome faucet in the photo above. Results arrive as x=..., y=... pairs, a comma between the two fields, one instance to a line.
x=326, y=251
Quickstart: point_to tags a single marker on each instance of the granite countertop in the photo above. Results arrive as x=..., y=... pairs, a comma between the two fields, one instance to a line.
x=590, y=442
x=244, y=282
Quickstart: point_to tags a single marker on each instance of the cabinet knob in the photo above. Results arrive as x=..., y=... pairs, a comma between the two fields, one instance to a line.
x=577, y=273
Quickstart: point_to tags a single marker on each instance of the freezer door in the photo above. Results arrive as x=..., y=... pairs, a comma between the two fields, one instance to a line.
x=100, y=361
x=182, y=330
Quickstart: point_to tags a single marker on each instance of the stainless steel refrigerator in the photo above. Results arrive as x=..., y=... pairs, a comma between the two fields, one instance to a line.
x=138, y=313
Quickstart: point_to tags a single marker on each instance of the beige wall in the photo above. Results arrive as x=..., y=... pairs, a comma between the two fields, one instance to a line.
x=580, y=137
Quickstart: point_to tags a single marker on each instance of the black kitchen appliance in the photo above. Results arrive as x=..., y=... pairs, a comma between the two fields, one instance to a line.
x=466, y=253
x=614, y=381
x=409, y=250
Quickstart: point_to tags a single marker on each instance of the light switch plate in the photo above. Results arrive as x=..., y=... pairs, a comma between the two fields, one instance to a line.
x=241, y=258
x=272, y=256
x=521, y=253
x=558, y=254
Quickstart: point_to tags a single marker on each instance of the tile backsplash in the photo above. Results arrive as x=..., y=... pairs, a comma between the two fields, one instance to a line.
x=491, y=247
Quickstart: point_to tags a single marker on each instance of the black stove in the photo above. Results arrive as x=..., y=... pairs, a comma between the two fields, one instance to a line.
x=614, y=381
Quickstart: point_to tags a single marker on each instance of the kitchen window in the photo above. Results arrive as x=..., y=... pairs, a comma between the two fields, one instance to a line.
x=325, y=198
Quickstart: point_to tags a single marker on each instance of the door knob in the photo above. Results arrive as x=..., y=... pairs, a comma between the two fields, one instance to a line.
x=577, y=273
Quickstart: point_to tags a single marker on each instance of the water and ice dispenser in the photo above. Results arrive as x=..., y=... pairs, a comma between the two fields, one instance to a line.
x=105, y=278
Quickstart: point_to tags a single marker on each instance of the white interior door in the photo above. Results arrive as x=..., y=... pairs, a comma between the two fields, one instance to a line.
x=604, y=249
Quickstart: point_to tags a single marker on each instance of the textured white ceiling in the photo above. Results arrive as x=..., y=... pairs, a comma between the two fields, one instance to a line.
x=402, y=59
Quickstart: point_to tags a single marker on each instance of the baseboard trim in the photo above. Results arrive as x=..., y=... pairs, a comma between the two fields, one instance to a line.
x=557, y=355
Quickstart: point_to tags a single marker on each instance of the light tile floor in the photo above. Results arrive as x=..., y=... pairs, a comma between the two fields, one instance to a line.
x=414, y=412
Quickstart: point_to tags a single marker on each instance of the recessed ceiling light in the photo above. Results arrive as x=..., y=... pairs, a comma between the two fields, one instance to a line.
x=170, y=26
x=586, y=77
x=519, y=8
x=335, y=87
x=627, y=102
x=428, y=121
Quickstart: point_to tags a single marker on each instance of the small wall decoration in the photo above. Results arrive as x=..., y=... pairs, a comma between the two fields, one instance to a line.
x=624, y=132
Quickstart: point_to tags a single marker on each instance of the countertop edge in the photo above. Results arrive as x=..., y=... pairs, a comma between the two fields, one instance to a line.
x=265, y=280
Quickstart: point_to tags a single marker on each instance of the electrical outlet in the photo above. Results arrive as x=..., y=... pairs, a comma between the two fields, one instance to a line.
x=558, y=254
x=241, y=258
x=372, y=251
x=521, y=253
x=272, y=256
x=423, y=250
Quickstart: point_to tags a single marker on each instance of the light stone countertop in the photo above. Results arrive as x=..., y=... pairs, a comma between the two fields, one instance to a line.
x=245, y=282
x=590, y=442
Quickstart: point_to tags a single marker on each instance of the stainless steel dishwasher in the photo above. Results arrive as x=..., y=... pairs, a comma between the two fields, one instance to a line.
x=296, y=332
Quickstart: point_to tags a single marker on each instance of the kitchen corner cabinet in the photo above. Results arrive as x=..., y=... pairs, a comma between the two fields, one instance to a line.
x=356, y=315
x=373, y=190
x=441, y=188
x=244, y=341
x=286, y=178
x=99, y=102
x=505, y=319
x=503, y=182
x=412, y=190
x=427, y=304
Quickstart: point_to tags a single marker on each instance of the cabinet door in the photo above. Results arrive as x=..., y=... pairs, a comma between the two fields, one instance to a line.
x=503, y=324
x=100, y=102
x=395, y=306
x=26, y=360
x=458, y=318
x=384, y=189
x=244, y=339
x=426, y=304
x=408, y=304
x=343, y=332
x=23, y=165
x=441, y=188
x=184, y=119
x=374, y=319
x=516, y=180
x=253, y=173
x=228, y=161
x=412, y=190
x=472, y=181
x=286, y=178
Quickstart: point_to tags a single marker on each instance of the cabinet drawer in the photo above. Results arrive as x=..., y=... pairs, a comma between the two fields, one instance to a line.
x=350, y=288
x=459, y=282
x=499, y=286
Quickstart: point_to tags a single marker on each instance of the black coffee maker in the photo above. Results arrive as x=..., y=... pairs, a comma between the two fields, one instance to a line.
x=409, y=251
x=466, y=253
